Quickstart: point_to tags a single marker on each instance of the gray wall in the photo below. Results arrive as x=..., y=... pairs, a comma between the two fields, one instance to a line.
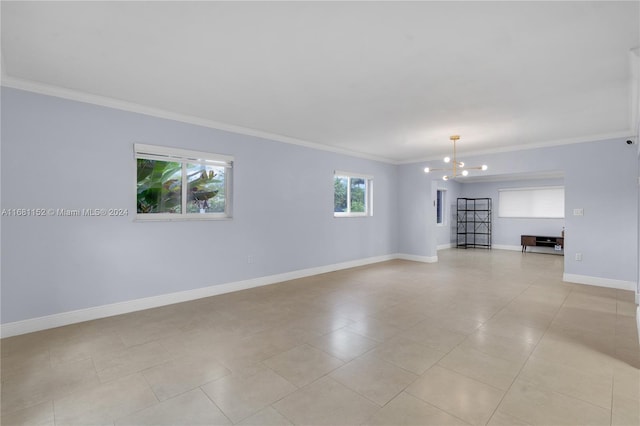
x=64, y=154
x=600, y=177
x=446, y=234
x=416, y=212
x=507, y=231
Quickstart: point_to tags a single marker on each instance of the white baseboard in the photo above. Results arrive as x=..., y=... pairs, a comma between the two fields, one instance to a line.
x=445, y=246
x=637, y=317
x=416, y=258
x=530, y=249
x=506, y=247
x=88, y=314
x=600, y=282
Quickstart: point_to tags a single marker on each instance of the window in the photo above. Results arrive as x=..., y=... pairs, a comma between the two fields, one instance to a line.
x=352, y=194
x=542, y=202
x=179, y=184
x=440, y=206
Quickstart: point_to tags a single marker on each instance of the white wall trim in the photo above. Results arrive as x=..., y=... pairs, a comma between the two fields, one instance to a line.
x=75, y=95
x=445, y=246
x=88, y=314
x=97, y=312
x=530, y=249
x=416, y=258
x=506, y=247
x=600, y=282
x=638, y=318
x=545, y=144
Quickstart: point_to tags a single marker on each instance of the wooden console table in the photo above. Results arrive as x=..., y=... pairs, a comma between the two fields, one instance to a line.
x=540, y=241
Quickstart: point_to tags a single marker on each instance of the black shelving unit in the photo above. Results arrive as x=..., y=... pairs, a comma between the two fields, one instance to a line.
x=473, y=223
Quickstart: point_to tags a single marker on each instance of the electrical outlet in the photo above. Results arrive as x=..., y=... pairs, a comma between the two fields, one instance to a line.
x=579, y=257
x=250, y=258
x=578, y=212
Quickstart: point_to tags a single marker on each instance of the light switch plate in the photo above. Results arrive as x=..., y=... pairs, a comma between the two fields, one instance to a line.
x=578, y=212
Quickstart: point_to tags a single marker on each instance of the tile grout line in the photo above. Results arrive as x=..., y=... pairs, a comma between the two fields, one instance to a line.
x=275, y=402
x=613, y=383
x=213, y=402
x=547, y=331
x=451, y=350
x=456, y=346
x=158, y=402
x=530, y=354
x=615, y=349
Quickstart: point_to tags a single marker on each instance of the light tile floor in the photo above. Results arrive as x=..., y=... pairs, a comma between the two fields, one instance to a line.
x=481, y=337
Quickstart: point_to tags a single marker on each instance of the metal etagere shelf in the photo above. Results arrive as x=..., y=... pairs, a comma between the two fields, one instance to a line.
x=473, y=223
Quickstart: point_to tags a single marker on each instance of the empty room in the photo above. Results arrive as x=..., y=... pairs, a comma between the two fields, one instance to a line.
x=320, y=213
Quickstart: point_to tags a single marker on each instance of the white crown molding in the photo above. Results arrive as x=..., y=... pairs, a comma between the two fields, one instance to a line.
x=559, y=142
x=79, y=96
x=510, y=177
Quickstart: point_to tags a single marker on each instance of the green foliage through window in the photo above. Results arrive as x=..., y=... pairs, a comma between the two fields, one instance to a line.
x=171, y=186
x=350, y=195
x=206, y=189
x=159, y=186
x=357, y=195
x=340, y=194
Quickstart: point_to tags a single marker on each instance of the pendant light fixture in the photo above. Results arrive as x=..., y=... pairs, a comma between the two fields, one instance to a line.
x=458, y=167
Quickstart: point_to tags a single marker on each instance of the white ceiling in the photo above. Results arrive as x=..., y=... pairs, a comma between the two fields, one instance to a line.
x=386, y=79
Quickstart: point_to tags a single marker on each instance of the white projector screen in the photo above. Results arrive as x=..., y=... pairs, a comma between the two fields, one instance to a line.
x=542, y=202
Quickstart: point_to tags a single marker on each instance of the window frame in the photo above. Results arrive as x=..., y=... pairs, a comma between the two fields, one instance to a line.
x=185, y=157
x=442, y=208
x=501, y=212
x=368, y=194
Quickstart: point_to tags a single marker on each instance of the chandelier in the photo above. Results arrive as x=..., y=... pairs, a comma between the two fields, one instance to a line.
x=459, y=168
